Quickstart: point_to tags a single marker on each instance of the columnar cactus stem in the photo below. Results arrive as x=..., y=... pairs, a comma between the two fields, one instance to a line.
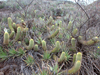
x=73, y=42
x=89, y=42
x=74, y=58
x=74, y=32
x=62, y=57
x=79, y=56
x=69, y=25
x=18, y=33
x=14, y=26
x=10, y=23
x=44, y=45
x=52, y=27
x=57, y=48
x=36, y=47
x=6, y=38
x=11, y=34
x=54, y=34
x=31, y=44
x=75, y=68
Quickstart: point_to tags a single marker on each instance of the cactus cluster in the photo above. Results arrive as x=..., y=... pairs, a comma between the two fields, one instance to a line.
x=18, y=32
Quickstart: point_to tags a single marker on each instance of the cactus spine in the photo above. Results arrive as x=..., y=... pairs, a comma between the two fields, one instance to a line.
x=6, y=38
x=57, y=48
x=44, y=45
x=31, y=44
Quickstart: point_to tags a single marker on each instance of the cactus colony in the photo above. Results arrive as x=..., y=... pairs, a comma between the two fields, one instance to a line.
x=18, y=31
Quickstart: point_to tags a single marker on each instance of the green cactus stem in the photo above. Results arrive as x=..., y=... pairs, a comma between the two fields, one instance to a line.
x=60, y=23
x=74, y=32
x=36, y=47
x=79, y=56
x=73, y=43
x=18, y=34
x=74, y=58
x=57, y=48
x=44, y=45
x=31, y=44
x=10, y=23
x=52, y=27
x=75, y=68
x=69, y=25
x=11, y=34
x=6, y=38
x=62, y=57
x=14, y=26
x=54, y=34
x=89, y=42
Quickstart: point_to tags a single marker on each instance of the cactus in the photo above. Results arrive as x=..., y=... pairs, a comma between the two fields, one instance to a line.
x=73, y=43
x=75, y=68
x=74, y=32
x=79, y=56
x=14, y=26
x=11, y=34
x=54, y=34
x=44, y=45
x=36, y=47
x=52, y=27
x=60, y=23
x=62, y=57
x=57, y=48
x=31, y=44
x=89, y=42
x=10, y=23
x=74, y=58
x=6, y=38
x=18, y=33
x=69, y=25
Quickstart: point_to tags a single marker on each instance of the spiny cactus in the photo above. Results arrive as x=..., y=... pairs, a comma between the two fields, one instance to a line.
x=11, y=34
x=36, y=47
x=62, y=57
x=6, y=38
x=52, y=27
x=60, y=23
x=54, y=34
x=75, y=68
x=44, y=45
x=74, y=58
x=10, y=23
x=73, y=43
x=57, y=48
x=74, y=32
x=69, y=25
x=18, y=34
x=14, y=26
x=31, y=44
x=89, y=42
x=79, y=56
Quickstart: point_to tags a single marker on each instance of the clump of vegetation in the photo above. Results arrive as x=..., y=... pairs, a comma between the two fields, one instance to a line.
x=44, y=45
